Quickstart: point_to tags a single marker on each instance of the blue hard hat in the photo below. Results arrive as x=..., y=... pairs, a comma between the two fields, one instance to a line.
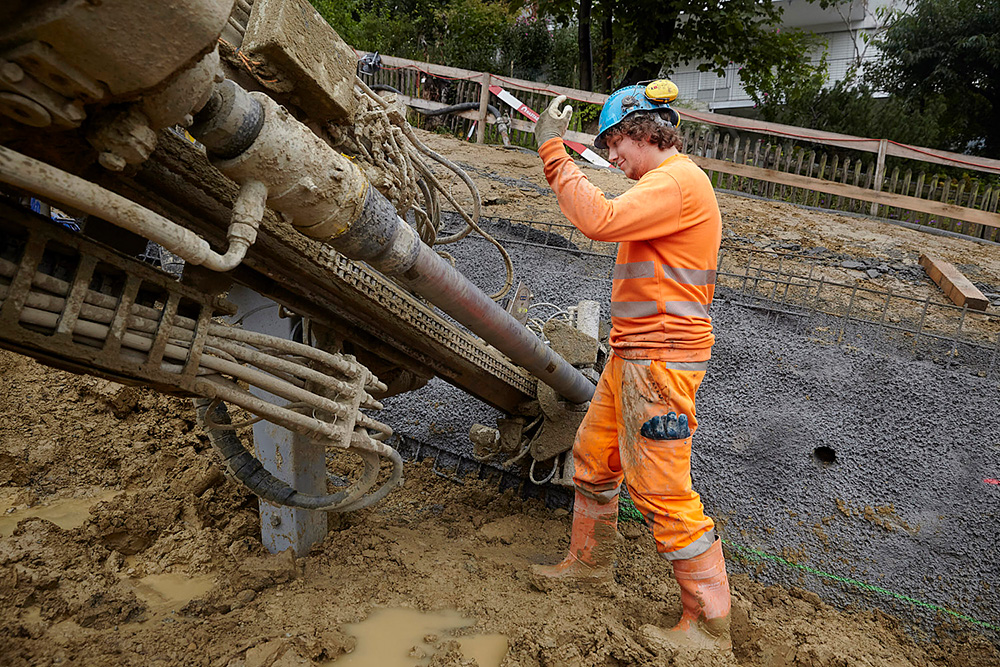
x=623, y=103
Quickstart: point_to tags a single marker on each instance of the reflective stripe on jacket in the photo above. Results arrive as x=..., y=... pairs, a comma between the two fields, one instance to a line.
x=669, y=229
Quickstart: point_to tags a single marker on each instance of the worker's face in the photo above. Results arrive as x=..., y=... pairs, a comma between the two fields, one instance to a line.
x=633, y=157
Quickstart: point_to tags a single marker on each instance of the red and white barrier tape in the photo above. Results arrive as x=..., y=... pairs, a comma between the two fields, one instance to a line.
x=585, y=153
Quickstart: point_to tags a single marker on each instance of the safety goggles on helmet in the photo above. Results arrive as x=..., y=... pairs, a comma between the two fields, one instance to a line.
x=624, y=102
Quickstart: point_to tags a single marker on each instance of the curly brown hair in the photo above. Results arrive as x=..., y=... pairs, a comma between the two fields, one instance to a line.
x=643, y=127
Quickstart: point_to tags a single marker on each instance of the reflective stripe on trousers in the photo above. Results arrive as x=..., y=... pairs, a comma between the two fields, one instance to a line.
x=609, y=448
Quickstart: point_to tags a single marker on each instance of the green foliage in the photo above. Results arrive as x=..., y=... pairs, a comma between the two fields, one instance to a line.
x=482, y=35
x=585, y=117
x=527, y=49
x=493, y=35
x=562, y=69
x=470, y=32
x=341, y=16
x=774, y=86
x=946, y=53
x=936, y=83
x=849, y=107
x=652, y=36
x=589, y=113
x=369, y=26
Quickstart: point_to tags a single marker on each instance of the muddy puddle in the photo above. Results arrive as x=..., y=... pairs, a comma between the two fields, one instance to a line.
x=406, y=637
x=67, y=513
x=169, y=591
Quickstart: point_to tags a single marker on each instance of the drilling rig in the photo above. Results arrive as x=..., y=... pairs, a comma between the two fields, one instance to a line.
x=239, y=137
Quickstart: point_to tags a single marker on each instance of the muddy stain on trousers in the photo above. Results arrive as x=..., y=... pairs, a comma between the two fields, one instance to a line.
x=610, y=448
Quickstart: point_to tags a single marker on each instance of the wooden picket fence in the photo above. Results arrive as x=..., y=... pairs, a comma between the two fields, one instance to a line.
x=874, y=177
x=790, y=159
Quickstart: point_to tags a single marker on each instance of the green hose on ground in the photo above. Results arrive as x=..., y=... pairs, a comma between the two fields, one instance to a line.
x=627, y=511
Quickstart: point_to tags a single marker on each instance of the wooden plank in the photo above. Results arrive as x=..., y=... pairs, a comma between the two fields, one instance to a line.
x=883, y=146
x=892, y=188
x=769, y=190
x=754, y=185
x=725, y=156
x=822, y=171
x=736, y=153
x=943, y=157
x=953, y=283
x=430, y=68
x=993, y=234
x=778, y=130
x=857, y=177
x=973, y=197
x=945, y=189
x=793, y=193
x=919, y=192
x=833, y=178
x=906, y=188
x=930, y=196
x=958, y=195
x=527, y=126
x=843, y=190
x=485, y=82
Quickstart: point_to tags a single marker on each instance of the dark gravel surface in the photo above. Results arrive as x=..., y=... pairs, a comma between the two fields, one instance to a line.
x=822, y=462
x=856, y=461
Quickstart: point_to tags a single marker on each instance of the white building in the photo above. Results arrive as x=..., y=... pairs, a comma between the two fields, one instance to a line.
x=841, y=29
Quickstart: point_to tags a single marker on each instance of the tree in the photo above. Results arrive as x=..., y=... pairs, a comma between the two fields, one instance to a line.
x=947, y=52
x=863, y=33
x=653, y=36
x=586, y=52
x=580, y=13
x=852, y=107
x=471, y=32
x=607, y=51
x=485, y=35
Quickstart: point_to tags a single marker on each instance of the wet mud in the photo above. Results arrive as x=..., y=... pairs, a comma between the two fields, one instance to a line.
x=170, y=570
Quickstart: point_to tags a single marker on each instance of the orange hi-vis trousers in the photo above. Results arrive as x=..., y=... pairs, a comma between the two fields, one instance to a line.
x=620, y=439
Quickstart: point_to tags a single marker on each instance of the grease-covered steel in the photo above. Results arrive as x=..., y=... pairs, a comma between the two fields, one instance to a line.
x=326, y=197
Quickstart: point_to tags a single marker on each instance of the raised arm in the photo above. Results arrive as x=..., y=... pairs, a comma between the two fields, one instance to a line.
x=650, y=209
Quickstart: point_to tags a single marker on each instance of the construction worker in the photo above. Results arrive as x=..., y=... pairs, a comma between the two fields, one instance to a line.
x=639, y=424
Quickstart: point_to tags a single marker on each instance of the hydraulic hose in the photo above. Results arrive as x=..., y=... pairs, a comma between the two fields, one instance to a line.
x=213, y=416
x=56, y=185
x=454, y=108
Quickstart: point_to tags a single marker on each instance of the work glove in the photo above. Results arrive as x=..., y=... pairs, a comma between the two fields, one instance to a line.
x=666, y=427
x=553, y=122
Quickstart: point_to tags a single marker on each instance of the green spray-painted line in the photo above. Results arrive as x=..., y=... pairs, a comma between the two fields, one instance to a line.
x=629, y=512
x=860, y=584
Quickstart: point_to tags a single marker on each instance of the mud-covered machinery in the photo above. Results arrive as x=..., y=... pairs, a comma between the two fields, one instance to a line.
x=239, y=138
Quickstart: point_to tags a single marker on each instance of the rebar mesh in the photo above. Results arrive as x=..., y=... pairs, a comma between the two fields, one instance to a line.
x=810, y=290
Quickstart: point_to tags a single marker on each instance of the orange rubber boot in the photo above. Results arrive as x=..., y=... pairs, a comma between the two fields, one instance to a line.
x=704, y=623
x=591, y=546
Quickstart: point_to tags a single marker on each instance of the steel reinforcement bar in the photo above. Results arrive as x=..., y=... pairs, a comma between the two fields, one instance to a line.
x=794, y=284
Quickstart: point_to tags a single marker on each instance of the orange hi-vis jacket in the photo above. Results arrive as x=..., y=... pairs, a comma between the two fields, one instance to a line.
x=669, y=230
